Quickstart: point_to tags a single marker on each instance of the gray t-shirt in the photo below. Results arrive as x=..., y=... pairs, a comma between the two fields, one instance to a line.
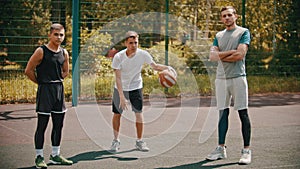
x=229, y=40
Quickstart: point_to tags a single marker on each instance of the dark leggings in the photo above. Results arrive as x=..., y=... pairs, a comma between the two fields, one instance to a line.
x=223, y=125
x=57, y=121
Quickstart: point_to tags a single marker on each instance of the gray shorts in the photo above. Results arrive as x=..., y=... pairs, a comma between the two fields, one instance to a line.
x=235, y=88
x=135, y=97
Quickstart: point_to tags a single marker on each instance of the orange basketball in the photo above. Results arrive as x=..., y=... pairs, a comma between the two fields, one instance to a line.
x=167, y=78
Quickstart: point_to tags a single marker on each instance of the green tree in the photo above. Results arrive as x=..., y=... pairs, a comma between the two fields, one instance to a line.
x=24, y=26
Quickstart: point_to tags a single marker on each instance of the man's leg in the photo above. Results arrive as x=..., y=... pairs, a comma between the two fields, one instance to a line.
x=140, y=144
x=223, y=125
x=139, y=125
x=40, y=132
x=246, y=132
x=246, y=127
x=57, y=120
x=116, y=122
x=220, y=151
x=56, y=157
x=39, y=136
x=241, y=104
x=223, y=101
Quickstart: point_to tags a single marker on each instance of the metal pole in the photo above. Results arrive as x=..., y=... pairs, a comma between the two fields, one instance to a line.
x=167, y=34
x=75, y=52
x=243, y=13
x=167, y=37
x=274, y=28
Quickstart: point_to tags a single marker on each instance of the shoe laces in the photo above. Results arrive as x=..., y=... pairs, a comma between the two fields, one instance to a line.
x=245, y=151
x=115, y=143
x=141, y=143
x=218, y=150
x=245, y=154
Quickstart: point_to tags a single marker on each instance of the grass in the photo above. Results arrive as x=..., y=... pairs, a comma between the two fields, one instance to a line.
x=273, y=84
x=16, y=88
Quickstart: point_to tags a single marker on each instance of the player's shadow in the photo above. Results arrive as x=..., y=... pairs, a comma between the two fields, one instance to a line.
x=7, y=115
x=95, y=155
x=200, y=165
x=100, y=155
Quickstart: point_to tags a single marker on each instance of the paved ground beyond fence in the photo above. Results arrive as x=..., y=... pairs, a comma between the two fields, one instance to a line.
x=275, y=137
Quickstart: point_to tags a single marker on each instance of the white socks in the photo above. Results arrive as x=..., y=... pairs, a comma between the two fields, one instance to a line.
x=55, y=150
x=39, y=152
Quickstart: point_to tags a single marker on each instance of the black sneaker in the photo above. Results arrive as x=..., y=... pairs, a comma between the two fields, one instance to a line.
x=40, y=162
x=60, y=160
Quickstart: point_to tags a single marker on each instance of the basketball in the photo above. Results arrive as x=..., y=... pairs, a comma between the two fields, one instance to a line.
x=167, y=78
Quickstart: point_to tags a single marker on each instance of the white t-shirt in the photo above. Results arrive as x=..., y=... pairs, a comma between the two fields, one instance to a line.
x=131, y=68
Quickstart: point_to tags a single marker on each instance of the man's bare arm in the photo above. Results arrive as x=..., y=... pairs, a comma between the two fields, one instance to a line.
x=122, y=105
x=33, y=62
x=65, y=68
x=238, y=55
x=216, y=55
x=159, y=67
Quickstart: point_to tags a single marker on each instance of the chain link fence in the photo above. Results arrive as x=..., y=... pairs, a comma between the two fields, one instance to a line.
x=192, y=25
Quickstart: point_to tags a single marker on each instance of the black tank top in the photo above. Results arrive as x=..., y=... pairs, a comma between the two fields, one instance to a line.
x=50, y=69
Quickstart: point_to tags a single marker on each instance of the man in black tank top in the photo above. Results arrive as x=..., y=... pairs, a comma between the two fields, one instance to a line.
x=47, y=67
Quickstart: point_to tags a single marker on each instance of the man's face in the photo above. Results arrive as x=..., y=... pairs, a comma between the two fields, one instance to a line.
x=57, y=36
x=132, y=44
x=228, y=17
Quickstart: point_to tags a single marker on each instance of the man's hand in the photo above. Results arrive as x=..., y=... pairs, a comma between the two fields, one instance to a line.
x=123, y=105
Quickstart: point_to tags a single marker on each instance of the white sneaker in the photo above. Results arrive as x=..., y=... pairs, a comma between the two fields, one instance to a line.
x=141, y=145
x=246, y=157
x=115, y=145
x=218, y=153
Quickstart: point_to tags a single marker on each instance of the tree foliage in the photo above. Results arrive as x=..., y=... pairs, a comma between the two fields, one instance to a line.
x=274, y=27
x=24, y=26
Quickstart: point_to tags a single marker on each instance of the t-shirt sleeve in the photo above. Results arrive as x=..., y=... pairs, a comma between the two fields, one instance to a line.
x=116, y=64
x=215, y=43
x=148, y=58
x=245, y=39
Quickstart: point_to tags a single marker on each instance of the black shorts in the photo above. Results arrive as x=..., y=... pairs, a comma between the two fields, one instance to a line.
x=50, y=98
x=135, y=97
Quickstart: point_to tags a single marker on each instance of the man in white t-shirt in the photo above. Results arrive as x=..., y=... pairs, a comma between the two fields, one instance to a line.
x=127, y=65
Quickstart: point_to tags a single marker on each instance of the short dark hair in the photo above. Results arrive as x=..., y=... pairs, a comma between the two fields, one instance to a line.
x=228, y=7
x=131, y=34
x=56, y=26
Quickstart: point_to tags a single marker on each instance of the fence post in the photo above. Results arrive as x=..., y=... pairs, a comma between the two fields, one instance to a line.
x=167, y=37
x=166, y=34
x=75, y=52
x=243, y=13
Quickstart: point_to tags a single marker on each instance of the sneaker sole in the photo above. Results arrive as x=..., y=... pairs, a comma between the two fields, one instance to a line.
x=41, y=167
x=243, y=163
x=209, y=159
x=54, y=162
x=141, y=149
x=113, y=151
x=214, y=159
x=59, y=163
